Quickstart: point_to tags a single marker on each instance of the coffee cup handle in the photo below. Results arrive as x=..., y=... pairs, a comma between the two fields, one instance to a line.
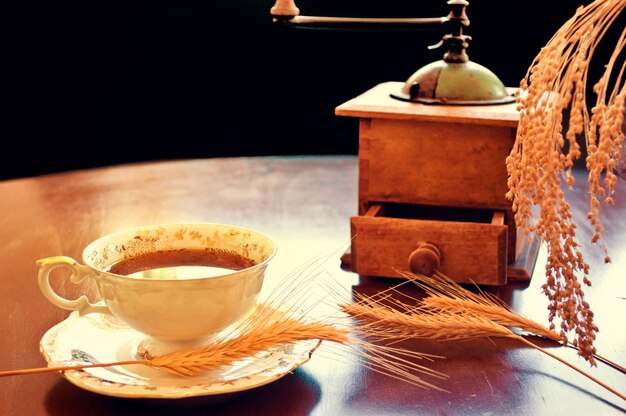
x=78, y=274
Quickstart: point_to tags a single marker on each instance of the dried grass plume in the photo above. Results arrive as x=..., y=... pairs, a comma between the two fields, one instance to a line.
x=547, y=145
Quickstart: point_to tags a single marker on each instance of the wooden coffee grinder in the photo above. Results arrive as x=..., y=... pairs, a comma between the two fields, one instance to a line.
x=432, y=185
x=432, y=174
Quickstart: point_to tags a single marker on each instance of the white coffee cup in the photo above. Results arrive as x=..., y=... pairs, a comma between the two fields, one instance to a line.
x=174, y=313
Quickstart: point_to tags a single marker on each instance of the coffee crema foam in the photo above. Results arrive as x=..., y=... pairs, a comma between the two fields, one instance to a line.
x=181, y=264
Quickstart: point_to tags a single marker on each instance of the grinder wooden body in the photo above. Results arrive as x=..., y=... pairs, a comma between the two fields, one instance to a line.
x=435, y=175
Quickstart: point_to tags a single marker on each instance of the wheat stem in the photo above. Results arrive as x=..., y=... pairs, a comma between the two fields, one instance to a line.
x=68, y=367
x=573, y=367
x=604, y=360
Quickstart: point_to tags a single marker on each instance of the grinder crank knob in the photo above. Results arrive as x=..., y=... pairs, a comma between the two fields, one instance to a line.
x=425, y=259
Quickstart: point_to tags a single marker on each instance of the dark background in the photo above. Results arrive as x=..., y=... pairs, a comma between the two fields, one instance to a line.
x=97, y=83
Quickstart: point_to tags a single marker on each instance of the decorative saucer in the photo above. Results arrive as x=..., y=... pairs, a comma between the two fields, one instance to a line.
x=101, y=338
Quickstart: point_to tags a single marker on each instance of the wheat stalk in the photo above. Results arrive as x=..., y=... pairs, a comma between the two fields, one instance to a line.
x=447, y=295
x=280, y=330
x=268, y=334
x=421, y=321
x=389, y=323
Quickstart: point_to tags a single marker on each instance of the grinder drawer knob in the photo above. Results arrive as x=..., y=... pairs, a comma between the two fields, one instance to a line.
x=425, y=259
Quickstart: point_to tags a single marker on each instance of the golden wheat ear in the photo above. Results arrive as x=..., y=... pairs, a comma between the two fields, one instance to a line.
x=445, y=295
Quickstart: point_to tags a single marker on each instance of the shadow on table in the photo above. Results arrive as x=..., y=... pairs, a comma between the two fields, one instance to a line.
x=294, y=394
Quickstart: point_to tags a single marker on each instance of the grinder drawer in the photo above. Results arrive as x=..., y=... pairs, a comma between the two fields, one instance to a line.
x=469, y=245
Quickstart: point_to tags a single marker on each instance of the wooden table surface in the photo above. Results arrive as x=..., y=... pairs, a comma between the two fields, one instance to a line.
x=305, y=204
